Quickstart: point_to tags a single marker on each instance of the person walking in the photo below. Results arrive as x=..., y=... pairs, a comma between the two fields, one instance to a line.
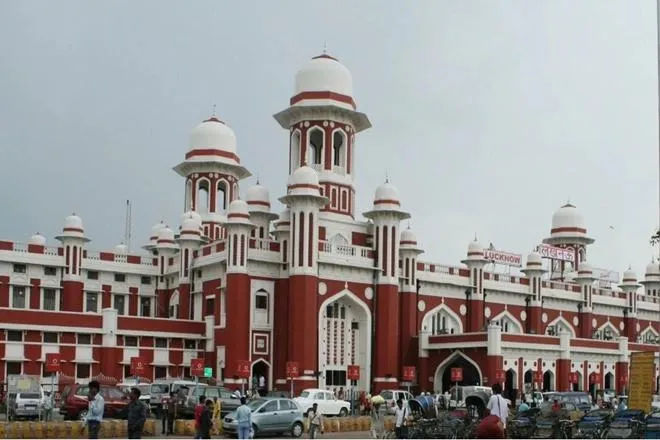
x=523, y=406
x=490, y=426
x=315, y=421
x=168, y=403
x=400, y=416
x=47, y=407
x=95, y=408
x=199, y=408
x=497, y=405
x=217, y=416
x=377, y=418
x=137, y=414
x=244, y=419
x=206, y=420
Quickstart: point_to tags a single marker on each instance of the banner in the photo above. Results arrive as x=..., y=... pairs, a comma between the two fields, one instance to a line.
x=456, y=374
x=556, y=253
x=642, y=369
x=197, y=367
x=353, y=372
x=409, y=373
x=500, y=257
x=293, y=369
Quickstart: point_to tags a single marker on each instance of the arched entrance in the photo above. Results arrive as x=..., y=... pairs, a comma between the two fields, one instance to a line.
x=579, y=385
x=609, y=381
x=344, y=339
x=511, y=385
x=260, y=377
x=548, y=381
x=471, y=372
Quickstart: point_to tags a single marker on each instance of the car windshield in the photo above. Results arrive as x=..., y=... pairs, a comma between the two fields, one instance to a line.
x=144, y=389
x=160, y=388
x=29, y=396
x=254, y=404
x=304, y=394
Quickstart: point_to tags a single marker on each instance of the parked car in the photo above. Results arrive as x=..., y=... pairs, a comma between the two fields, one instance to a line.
x=391, y=397
x=145, y=391
x=579, y=399
x=188, y=397
x=27, y=405
x=327, y=403
x=655, y=404
x=73, y=403
x=270, y=416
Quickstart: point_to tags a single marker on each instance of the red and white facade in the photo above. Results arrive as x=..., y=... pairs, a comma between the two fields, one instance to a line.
x=317, y=284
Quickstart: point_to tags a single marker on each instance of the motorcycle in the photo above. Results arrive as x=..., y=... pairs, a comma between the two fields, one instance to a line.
x=523, y=424
x=594, y=424
x=626, y=424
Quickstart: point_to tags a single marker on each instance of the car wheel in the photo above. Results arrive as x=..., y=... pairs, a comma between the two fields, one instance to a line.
x=82, y=414
x=343, y=412
x=254, y=431
x=297, y=430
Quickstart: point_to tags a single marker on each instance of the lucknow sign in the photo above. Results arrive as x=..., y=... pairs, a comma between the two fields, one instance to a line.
x=500, y=257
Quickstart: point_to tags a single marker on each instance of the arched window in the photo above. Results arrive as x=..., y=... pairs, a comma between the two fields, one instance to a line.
x=294, y=151
x=221, y=196
x=338, y=148
x=315, y=146
x=202, y=196
x=441, y=322
x=188, y=206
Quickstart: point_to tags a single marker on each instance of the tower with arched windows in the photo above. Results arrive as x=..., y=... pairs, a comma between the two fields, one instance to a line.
x=212, y=170
x=322, y=121
x=569, y=232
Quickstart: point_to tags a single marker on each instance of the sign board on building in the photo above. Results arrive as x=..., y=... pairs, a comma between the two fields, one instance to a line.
x=197, y=367
x=538, y=377
x=409, y=373
x=594, y=378
x=53, y=363
x=137, y=366
x=243, y=369
x=500, y=257
x=500, y=376
x=353, y=372
x=21, y=383
x=456, y=374
x=642, y=369
x=293, y=369
x=556, y=253
x=208, y=372
x=573, y=377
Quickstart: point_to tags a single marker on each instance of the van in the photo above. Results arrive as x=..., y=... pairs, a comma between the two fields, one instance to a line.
x=188, y=397
x=580, y=399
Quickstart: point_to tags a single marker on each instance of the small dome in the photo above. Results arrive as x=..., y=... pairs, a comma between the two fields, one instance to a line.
x=191, y=215
x=190, y=224
x=386, y=194
x=653, y=268
x=37, y=239
x=408, y=237
x=239, y=207
x=585, y=269
x=165, y=234
x=213, y=134
x=121, y=249
x=629, y=276
x=475, y=248
x=324, y=74
x=285, y=215
x=534, y=259
x=258, y=198
x=567, y=217
x=155, y=229
x=73, y=223
x=570, y=276
x=304, y=176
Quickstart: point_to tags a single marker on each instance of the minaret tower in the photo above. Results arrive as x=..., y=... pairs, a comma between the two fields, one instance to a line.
x=534, y=271
x=189, y=241
x=73, y=240
x=386, y=215
x=322, y=121
x=568, y=231
x=629, y=286
x=212, y=170
x=304, y=201
x=586, y=280
x=258, y=200
x=408, y=253
x=165, y=249
x=476, y=262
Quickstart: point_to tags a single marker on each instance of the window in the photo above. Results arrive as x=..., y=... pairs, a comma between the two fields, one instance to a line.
x=120, y=277
x=130, y=341
x=337, y=148
x=18, y=297
x=92, y=275
x=14, y=335
x=82, y=371
x=91, y=302
x=295, y=152
x=119, y=304
x=221, y=196
x=160, y=373
x=315, y=147
x=50, y=338
x=50, y=270
x=145, y=280
x=270, y=406
x=161, y=343
x=84, y=338
x=262, y=302
x=190, y=344
x=49, y=301
x=334, y=378
x=145, y=306
x=127, y=371
x=202, y=196
x=14, y=368
x=20, y=268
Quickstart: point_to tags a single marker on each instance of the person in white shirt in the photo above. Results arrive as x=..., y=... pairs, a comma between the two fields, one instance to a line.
x=95, y=409
x=400, y=415
x=497, y=405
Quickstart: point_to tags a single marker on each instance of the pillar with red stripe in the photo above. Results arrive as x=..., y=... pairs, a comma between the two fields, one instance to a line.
x=629, y=286
x=534, y=301
x=386, y=216
x=475, y=261
x=73, y=240
x=408, y=298
x=304, y=201
x=585, y=279
x=166, y=249
x=190, y=239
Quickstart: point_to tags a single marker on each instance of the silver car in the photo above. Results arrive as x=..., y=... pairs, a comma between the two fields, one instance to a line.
x=270, y=416
x=26, y=405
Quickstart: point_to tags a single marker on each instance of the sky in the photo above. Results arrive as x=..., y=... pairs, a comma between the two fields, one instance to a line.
x=487, y=115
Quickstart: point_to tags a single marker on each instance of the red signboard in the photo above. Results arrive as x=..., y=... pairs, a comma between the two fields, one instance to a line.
x=353, y=372
x=137, y=366
x=594, y=378
x=500, y=376
x=409, y=373
x=197, y=367
x=456, y=374
x=243, y=369
x=292, y=369
x=623, y=380
x=538, y=377
x=53, y=363
x=573, y=377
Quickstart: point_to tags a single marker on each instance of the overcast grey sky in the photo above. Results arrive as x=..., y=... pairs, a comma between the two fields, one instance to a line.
x=487, y=115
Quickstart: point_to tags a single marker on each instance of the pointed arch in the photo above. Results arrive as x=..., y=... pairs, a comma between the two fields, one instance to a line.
x=294, y=153
x=221, y=193
x=608, y=331
x=508, y=322
x=203, y=195
x=315, y=145
x=561, y=323
x=440, y=369
x=339, y=142
x=434, y=324
x=649, y=334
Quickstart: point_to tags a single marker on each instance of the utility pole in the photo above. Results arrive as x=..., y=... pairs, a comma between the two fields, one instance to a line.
x=127, y=227
x=655, y=238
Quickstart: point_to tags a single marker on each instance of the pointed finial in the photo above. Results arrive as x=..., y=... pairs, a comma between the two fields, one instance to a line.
x=346, y=285
x=325, y=47
x=213, y=110
x=475, y=237
x=257, y=179
x=408, y=224
x=387, y=177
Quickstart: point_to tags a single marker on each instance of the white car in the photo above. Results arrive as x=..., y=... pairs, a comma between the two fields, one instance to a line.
x=327, y=403
x=655, y=404
x=391, y=397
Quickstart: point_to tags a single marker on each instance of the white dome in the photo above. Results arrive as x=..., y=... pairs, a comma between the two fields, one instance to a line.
x=238, y=206
x=567, y=217
x=534, y=259
x=570, y=277
x=191, y=215
x=189, y=224
x=258, y=198
x=408, y=236
x=121, y=249
x=155, y=229
x=304, y=176
x=213, y=134
x=324, y=74
x=285, y=215
x=387, y=193
x=629, y=275
x=165, y=234
x=37, y=239
x=73, y=222
x=475, y=248
x=585, y=268
x=653, y=268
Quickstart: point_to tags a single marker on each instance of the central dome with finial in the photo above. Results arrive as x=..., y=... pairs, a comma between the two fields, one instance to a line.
x=213, y=134
x=324, y=73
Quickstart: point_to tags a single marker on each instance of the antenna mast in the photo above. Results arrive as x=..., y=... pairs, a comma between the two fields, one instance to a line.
x=127, y=226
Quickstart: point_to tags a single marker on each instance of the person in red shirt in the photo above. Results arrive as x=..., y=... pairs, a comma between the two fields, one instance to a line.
x=556, y=407
x=490, y=426
x=199, y=409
